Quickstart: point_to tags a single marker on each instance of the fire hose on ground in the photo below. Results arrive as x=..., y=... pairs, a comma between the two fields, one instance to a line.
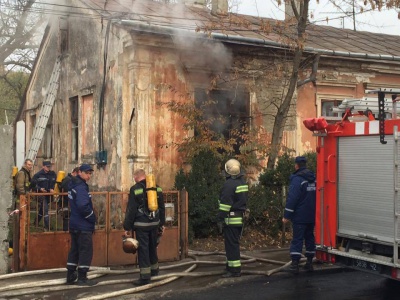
x=47, y=286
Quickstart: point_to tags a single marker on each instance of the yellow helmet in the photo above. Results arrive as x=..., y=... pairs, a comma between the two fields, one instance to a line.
x=232, y=167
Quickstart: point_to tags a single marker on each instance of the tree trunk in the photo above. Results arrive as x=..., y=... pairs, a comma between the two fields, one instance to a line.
x=280, y=118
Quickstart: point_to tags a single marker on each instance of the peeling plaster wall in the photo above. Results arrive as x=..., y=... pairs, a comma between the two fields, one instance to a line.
x=340, y=79
x=81, y=75
x=144, y=70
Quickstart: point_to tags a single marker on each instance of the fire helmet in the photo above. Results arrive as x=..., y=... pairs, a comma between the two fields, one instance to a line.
x=130, y=245
x=232, y=167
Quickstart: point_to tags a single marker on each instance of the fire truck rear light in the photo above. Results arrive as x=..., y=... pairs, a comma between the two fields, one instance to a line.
x=324, y=256
x=395, y=273
x=332, y=258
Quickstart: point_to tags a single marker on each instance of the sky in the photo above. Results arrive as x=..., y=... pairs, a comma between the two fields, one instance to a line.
x=380, y=22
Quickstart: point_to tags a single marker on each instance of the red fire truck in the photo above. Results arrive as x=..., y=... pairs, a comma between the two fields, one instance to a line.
x=358, y=205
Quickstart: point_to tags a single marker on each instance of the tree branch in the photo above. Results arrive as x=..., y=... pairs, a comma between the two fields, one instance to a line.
x=313, y=76
x=295, y=11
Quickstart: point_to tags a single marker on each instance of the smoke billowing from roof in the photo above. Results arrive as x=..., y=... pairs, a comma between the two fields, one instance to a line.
x=179, y=21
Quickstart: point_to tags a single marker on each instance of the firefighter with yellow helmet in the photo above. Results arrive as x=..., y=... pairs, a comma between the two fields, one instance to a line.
x=145, y=214
x=232, y=206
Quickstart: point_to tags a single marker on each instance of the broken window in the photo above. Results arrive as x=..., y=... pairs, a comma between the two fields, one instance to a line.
x=227, y=110
x=74, y=105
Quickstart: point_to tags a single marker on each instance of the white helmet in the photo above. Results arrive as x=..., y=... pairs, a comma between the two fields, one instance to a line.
x=232, y=167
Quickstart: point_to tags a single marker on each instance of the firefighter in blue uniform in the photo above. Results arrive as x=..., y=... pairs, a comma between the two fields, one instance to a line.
x=232, y=206
x=300, y=210
x=44, y=182
x=81, y=227
x=146, y=224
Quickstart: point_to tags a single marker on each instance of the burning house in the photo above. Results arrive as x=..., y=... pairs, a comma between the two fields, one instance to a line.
x=119, y=59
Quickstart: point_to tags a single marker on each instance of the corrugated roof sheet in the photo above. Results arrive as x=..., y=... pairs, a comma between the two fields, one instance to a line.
x=184, y=17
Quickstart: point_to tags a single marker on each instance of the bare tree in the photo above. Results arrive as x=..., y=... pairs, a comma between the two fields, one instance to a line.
x=19, y=33
x=301, y=16
x=300, y=10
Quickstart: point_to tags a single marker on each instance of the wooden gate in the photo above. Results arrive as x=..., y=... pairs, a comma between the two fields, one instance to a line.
x=43, y=248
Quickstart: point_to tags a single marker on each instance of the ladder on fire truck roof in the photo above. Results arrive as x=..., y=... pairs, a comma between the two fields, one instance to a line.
x=371, y=103
x=45, y=111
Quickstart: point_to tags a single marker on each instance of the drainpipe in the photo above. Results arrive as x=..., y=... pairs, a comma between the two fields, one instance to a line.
x=219, y=7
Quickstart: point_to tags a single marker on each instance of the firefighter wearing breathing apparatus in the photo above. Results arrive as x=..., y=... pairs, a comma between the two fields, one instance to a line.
x=232, y=206
x=145, y=214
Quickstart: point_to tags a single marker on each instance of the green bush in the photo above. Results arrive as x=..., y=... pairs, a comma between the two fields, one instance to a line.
x=203, y=184
x=267, y=198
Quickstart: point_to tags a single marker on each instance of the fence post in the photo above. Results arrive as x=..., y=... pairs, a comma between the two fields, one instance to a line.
x=23, y=220
x=183, y=196
x=16, y=235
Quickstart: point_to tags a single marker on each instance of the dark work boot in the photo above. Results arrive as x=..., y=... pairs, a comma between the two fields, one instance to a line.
x=308, y=266
x=154, y=272
x=141, y=282
x=84, y=281
x=294, y=267
x=71, y=277
x=231, y=274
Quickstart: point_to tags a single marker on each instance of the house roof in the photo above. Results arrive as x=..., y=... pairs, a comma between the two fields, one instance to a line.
x=157, y=16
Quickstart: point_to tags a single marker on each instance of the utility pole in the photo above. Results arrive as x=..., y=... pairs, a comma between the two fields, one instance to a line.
x=354, y=17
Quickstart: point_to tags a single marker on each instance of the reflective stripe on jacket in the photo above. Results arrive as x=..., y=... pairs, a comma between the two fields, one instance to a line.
x=45, y=180
x=137, y=214
x=233, y=199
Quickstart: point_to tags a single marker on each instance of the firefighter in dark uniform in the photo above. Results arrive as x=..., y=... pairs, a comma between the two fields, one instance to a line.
x=23, y=180
x=81, y=227
x=63, y=203
x=232, y=206
x=300, y=209
x=146, y=224
x=44, y=182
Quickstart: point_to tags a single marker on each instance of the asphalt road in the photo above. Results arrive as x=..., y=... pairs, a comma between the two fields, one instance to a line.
x=327, y=282
x=333, y=284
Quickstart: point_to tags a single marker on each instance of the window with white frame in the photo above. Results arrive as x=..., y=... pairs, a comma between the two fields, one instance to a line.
x=326, y=108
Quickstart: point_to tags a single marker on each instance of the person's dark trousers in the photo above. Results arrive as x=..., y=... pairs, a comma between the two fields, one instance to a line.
x=65, y=212
x=43, y=210
x=65, y=216
x=147, y=252
x=65, y=223
x=81, y=253
x=302, y=232
x=232, y=248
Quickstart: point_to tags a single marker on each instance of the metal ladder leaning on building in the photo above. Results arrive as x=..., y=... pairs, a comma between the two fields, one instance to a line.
x=45, y=111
